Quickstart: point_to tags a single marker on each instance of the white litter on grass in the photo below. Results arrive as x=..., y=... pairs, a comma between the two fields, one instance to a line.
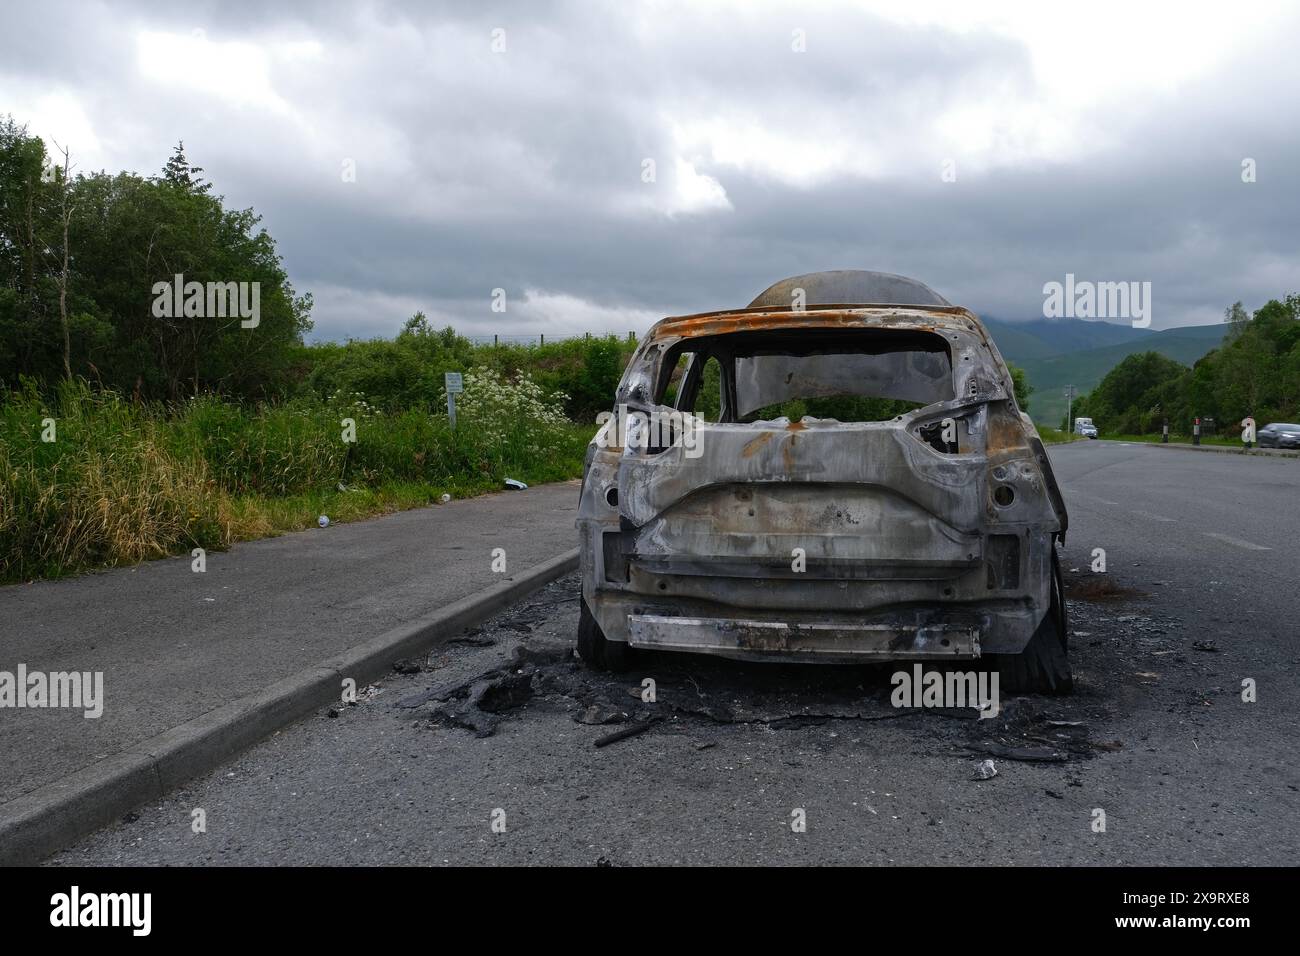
x=445, y=498
x=323, y=521
x=517, y=485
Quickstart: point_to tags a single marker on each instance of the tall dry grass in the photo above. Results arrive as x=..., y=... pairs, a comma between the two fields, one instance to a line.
x=106, y=490
x=122, y=482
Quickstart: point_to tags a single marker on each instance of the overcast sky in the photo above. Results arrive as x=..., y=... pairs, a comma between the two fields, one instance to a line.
x=1107, y=142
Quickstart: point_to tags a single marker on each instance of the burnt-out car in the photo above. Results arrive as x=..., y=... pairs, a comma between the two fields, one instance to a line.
x=837, y=473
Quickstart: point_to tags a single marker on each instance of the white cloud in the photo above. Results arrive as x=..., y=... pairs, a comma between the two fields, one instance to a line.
x=569, y=314
x=60, y=119
x=235, y=72
x=696, y=192
x=786, y=153
x=370, y=313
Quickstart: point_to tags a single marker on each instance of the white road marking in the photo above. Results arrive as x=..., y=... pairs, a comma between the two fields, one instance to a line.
x=1085, y=494
x=1153, y=517
x=1235, y=542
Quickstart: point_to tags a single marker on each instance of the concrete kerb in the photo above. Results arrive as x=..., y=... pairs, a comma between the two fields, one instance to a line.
x=1229, y=450
x=41, y=822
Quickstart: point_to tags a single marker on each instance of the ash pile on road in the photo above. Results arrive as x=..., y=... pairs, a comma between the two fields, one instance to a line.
x=667, y=693
x=670, y=692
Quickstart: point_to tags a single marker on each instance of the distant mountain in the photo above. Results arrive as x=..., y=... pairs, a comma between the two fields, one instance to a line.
x=1063, y=336
x=1058, y=352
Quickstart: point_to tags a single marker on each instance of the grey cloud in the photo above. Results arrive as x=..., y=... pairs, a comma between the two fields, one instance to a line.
x=522, y=171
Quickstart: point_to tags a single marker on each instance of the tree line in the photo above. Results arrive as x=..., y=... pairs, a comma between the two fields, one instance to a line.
x=80, y=254
x=1255, y=372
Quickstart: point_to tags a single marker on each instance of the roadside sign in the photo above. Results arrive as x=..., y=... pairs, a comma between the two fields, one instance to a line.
x=455, y=386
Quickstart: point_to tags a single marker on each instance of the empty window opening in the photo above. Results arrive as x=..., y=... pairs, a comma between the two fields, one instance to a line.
x=855, y=375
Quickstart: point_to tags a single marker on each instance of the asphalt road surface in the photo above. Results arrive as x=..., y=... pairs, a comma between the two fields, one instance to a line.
x=1203, y=568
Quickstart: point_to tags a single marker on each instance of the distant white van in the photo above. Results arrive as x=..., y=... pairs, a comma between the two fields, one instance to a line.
x=1085, y=427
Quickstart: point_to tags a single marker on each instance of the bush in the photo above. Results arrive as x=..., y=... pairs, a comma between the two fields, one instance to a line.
x=407, y=372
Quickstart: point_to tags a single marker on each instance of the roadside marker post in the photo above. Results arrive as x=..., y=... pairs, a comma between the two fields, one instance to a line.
x=1196, y=431
x=1164, y=433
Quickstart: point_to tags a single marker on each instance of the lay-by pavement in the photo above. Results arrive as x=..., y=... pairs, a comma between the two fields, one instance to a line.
x=173, y=644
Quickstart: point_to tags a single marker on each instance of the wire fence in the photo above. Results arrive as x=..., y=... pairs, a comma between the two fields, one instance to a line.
x=541, y=338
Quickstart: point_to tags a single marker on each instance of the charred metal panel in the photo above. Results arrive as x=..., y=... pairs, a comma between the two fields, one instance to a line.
x=1002, y=558
x=867, y=641
x=616, y=545
x=852, y=531
x=883, y=455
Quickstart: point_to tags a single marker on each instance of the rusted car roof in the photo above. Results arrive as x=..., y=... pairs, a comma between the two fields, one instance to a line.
x=843, y=315
x=844, y=286
x=843, y=299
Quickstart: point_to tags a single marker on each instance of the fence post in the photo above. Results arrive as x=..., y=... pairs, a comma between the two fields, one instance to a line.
x=542, y=336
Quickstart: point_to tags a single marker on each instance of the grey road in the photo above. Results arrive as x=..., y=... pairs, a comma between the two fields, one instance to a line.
x=1203, y=556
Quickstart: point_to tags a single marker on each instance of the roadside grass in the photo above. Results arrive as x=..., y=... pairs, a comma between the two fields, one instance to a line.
x=1054, y=436
x=1232, y=442
x=122, y=483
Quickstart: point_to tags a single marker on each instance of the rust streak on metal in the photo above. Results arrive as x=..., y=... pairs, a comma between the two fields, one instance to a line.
x=1005, y=434
x=928, y=318
x=755, y=444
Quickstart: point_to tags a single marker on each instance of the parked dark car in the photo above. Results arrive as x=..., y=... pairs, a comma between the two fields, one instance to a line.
x=1279, y=435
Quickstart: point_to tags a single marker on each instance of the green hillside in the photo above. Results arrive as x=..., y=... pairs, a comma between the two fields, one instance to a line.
x=1057, y=353
x=1063, y=336
x=1017, y=343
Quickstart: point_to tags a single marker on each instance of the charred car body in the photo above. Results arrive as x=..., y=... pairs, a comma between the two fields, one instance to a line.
x=718, y=516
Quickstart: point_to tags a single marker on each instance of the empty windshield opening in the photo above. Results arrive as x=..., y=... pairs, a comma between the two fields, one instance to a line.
x=853, y=375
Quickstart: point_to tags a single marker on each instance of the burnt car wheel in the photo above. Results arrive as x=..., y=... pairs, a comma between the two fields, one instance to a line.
x=595, y=649
x=1043, y=667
